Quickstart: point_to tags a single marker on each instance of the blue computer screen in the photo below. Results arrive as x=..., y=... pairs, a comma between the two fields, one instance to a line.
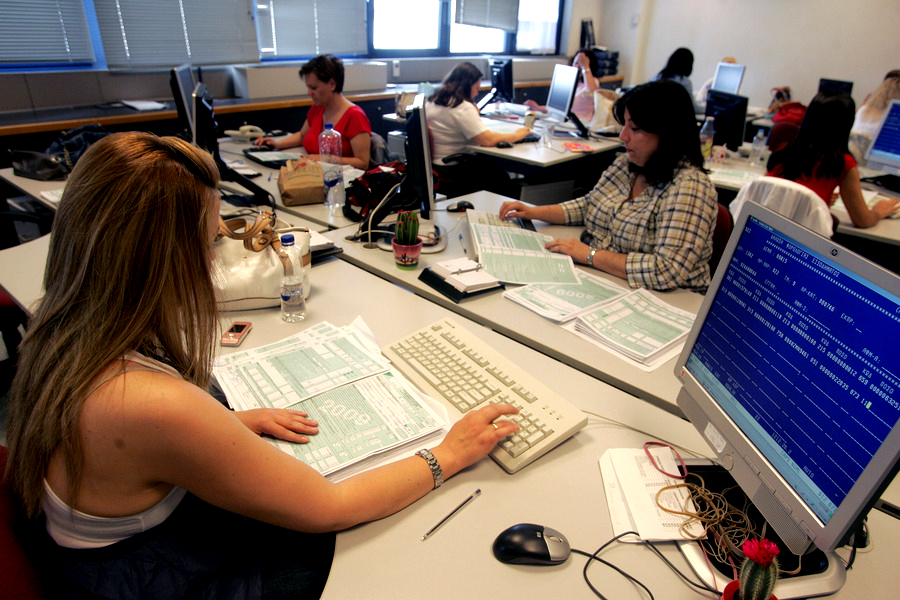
x=801, y=354
x=886, y=146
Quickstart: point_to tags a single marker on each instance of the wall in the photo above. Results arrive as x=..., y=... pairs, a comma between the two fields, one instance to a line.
x=782, y=42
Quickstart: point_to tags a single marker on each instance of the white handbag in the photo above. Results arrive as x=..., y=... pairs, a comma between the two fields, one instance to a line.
x=247, y=269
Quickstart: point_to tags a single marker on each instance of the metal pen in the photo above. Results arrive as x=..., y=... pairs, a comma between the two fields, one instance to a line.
x=462, y=243
x=462, y=505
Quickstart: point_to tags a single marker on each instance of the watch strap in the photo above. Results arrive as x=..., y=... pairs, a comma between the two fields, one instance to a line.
x=434, y=465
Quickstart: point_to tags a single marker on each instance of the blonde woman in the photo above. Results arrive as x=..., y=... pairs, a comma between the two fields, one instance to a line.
x=869, y=115
x=136, y=481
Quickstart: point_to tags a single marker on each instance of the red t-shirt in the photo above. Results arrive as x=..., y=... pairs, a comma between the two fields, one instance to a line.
x=353, y=122
x=823, y=187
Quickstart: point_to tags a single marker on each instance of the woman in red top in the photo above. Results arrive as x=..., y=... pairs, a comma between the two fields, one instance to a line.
x=324, y=78
x=819, y=159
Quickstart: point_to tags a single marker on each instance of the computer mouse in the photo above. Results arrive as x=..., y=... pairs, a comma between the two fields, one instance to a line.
x=530, y=544
x=504, y=145
x=460, y=206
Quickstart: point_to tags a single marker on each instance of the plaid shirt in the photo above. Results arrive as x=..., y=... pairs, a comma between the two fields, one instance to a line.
x=666, y=232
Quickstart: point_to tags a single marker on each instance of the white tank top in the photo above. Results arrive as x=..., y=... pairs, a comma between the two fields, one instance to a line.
x=71, y=528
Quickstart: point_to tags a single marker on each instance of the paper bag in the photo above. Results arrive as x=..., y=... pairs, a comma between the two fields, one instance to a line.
x=603, y=116
x=300, y=182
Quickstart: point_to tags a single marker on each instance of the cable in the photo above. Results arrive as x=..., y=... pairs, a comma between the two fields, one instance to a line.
x=700, y=586
x=648, y=434
x=608, y=564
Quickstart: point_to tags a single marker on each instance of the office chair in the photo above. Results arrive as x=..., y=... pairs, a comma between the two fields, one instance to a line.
x=721, y=233
x=858, y=144
x=789, y=199
x=379, y=153
x=20, y=578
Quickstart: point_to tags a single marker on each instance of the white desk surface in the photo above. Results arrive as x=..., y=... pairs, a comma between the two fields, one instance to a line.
x=659, y=387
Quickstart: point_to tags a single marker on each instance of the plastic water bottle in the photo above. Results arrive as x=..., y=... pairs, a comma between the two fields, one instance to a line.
x=756, y=151
x=330, y=152
x=707, y=133
x=293, y=304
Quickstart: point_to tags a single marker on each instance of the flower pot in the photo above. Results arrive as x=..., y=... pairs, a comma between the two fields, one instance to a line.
x=406, y=257
x=730, y=591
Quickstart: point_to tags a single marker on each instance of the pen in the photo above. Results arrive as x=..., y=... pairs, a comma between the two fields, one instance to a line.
x=462, y=505
x=270, y=176
x=463, y=244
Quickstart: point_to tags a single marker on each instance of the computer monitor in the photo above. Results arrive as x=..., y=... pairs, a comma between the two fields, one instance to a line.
x=835, y=85
x=730, y=113
x=561, y=94
x=205, y=134
x=502, y=89
x=791, y=374
x=182, y=83
x=416, y=192
x=728, y=78
x=883, y=153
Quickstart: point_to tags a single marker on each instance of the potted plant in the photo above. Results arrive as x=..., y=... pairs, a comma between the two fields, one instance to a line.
x=406, y=243
x=758, y=573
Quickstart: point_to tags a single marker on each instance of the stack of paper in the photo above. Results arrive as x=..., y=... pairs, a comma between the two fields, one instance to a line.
x=340, y=378
x=562, y=302
x=517, y=255
x=465, y=274
x=638, y=325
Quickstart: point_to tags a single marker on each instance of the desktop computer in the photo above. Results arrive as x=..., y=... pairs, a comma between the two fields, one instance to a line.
x=790, y=373
x=883, y=154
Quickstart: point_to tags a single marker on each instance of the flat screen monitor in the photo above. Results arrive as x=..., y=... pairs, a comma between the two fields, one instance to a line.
x=182, y=83
x=502, y=89
x=730, y=113
x=561, y=94
x=835, y=85
x=728, y=78
x=205, y=134
x=792, y=374
x=883, y=153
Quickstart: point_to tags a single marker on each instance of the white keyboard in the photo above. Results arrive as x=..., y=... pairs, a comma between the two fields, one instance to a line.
x=463, y=372
x=483, y=217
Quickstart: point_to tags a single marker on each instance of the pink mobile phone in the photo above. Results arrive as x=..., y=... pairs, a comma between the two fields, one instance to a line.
x=236, y=333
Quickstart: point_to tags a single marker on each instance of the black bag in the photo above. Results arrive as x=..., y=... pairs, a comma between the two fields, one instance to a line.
x=38, y=165
x=69, y=146
x=366, y=191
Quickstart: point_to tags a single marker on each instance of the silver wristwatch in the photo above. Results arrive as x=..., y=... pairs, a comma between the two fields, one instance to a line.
x=434, y=465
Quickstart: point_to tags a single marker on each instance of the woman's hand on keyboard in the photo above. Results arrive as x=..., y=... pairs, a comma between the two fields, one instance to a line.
x=473, y=436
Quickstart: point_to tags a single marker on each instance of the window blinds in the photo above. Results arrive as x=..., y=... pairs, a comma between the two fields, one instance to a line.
x=502, y=14
x=44, y=32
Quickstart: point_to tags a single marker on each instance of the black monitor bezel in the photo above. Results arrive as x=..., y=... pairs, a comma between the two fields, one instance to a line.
x=729, y=130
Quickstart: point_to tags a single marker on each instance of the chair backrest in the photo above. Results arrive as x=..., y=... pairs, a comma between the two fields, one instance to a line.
x=724, y=225
x=19, y=576
x=858, y=144
x=789, y=199
x=378, y=151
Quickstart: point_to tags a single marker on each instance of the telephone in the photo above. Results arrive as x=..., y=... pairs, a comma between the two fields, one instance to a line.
x=246, y=133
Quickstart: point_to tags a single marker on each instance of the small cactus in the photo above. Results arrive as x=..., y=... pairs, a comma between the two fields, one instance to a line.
x=407, y=233
x=759, y=571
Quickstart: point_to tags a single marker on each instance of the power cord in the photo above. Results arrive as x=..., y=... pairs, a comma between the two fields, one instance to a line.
x=592, y=557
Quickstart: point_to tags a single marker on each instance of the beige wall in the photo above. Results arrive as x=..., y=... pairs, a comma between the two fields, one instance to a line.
x=782, y=42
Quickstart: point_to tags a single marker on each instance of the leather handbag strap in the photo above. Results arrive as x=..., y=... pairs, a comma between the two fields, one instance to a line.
x=256, y=237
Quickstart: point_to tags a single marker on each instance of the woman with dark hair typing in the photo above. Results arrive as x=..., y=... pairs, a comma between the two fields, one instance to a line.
x=650, y=218
x=819, y=158
x=324, y=77
x=454, y=124
x=138, y=483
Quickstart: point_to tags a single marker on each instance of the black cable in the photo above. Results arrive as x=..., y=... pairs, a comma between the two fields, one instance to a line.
x=594, y=556
x=701, y=586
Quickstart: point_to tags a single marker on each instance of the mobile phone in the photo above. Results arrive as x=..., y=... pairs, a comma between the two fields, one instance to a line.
x=236, y=333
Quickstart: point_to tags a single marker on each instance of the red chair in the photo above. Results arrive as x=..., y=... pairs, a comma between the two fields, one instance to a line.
x=19, y=579
x=724, y=225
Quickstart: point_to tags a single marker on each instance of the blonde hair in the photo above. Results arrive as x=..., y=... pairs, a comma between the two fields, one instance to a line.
x=128, y=270
x=877, y=103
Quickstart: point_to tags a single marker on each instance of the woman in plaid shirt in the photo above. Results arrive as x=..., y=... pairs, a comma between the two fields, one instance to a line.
x=650, y=218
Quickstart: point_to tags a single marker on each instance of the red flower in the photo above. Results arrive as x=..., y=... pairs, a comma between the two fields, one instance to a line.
x=761, y=552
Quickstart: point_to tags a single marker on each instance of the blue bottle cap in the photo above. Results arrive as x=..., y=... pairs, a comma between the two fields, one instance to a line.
x=287, y=239
x=329, y=125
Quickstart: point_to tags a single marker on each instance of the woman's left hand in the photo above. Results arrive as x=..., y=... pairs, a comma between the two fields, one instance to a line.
x=279, y=423
x=571, y=246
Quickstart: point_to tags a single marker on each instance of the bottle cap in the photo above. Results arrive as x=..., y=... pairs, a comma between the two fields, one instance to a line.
x=287, y=239
x=329, y=125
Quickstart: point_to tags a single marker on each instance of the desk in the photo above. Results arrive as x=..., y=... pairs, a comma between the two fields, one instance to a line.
x=659, y=387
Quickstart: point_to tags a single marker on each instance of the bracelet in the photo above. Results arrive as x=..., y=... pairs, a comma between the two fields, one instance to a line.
x=434, y=465
x=590, y=258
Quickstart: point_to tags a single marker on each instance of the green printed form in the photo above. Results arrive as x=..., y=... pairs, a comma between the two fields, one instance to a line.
x=562, y=302
x=639, y=325
x=516, y=255
x=359, y=420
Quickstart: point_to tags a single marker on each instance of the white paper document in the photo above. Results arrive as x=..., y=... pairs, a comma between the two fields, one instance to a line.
x=631, y=483
x=340, y=378
x=515, y=255
x=561, y=302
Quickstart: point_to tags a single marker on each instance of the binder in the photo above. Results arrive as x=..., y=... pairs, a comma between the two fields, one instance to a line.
x=440, y=284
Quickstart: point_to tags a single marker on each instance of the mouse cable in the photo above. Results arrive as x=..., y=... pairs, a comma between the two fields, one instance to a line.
x=594, y=556
x=701, y=585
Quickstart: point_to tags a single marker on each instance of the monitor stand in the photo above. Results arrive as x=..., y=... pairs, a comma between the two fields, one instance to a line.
x=822, y=573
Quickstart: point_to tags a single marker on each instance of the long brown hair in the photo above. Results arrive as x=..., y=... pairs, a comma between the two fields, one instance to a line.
x=128, y=270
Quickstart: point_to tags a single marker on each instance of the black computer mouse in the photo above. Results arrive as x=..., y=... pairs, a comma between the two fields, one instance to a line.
x=460, y=206
x=530, y=544
x=504, y=145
